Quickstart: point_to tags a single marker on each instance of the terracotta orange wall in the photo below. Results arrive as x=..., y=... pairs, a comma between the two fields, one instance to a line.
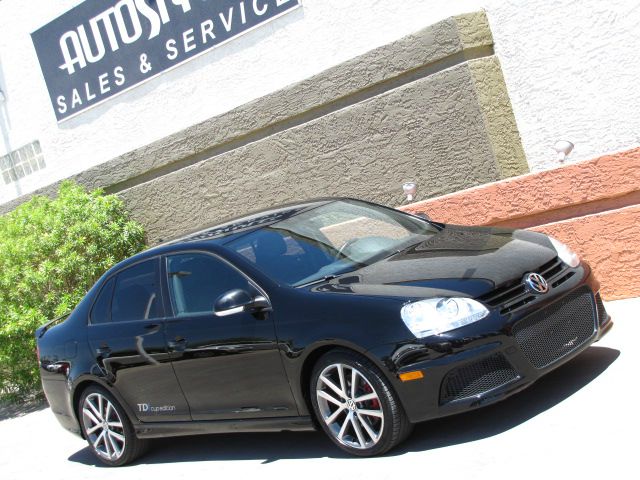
x=593, y=206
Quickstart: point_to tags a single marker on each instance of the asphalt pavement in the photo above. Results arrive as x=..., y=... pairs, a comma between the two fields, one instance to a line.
x=580, y=421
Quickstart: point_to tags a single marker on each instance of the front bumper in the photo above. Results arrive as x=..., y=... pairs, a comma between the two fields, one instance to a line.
x=499, y=356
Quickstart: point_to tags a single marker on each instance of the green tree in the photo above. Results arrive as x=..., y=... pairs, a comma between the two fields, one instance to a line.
x=51, y=252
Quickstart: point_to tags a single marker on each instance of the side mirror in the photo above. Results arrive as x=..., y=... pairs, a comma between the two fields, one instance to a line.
x=238, y=300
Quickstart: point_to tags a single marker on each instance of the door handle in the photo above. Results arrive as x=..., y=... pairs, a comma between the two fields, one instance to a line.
x=178, y=345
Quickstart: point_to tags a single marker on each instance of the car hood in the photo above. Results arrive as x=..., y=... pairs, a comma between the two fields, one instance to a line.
x=457, y=260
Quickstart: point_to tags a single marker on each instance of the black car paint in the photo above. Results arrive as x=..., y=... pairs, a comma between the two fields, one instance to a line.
x=249, y=372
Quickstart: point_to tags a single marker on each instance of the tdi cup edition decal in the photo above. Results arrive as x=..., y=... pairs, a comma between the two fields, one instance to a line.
x=145, y=408
x=103, y=47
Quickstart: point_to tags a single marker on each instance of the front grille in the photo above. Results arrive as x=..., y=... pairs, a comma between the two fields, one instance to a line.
x=602, y=312
x=550, y=334
x=477, y=378
x=513, y=295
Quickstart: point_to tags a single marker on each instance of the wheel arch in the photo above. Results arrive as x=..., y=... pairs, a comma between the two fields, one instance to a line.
x=81, y=386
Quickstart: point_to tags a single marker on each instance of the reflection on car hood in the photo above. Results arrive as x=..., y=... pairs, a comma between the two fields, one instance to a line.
x=464, y=260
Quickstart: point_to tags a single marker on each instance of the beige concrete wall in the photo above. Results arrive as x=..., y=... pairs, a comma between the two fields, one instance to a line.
x=431, y=107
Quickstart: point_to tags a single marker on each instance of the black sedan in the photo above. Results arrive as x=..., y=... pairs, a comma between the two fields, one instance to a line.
x=335, y=314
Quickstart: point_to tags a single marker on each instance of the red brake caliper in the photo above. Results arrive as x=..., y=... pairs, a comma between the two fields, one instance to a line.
x=367, y=389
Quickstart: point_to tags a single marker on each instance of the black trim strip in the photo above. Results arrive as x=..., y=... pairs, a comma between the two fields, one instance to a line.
x=177, y=429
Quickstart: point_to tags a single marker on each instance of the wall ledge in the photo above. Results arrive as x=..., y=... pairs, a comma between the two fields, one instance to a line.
x=581, y=188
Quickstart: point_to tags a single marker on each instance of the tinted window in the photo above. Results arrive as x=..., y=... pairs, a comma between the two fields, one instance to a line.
x=285, y=256
x=136, y=295
x=196, y=280
x=100, y=312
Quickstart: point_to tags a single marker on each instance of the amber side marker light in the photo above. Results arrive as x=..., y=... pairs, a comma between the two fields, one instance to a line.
x=408, y=376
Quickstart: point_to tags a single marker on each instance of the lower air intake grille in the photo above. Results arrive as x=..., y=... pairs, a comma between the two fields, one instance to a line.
x=550, y=334
x=602, y=313
x=477, y=378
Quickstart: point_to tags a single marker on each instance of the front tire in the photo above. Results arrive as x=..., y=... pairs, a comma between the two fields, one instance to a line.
x=356, y=405
x=107, y=428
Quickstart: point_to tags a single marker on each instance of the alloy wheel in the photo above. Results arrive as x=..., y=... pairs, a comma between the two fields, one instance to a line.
x=350, y=406
x=103, y=427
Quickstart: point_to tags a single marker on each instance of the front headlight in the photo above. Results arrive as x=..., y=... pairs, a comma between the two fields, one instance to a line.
x=567, y=255
x=439, y=315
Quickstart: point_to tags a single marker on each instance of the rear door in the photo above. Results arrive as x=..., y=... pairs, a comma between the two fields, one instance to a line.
x=126, y=334
x=228, y=367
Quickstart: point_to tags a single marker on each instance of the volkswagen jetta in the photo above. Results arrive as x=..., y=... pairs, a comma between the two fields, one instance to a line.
x=336, y=314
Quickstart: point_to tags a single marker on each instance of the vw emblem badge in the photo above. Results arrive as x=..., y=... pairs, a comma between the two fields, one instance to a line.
x=536, y=282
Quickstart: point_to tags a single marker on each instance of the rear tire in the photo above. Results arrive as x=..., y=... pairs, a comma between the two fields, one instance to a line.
x=356, y=405
x=107, y=428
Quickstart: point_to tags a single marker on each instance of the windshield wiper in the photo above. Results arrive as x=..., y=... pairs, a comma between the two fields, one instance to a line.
x=402, y=250
x=395, y=252
x=326, y=278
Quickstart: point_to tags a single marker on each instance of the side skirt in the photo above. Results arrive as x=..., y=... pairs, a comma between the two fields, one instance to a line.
x=177, y=429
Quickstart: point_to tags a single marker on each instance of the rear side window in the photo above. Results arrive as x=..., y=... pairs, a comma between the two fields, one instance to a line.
x=136, y=293
x=101, y=311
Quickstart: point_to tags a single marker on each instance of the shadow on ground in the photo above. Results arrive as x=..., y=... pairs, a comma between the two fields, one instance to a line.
x=14, y=410
x=476, y=425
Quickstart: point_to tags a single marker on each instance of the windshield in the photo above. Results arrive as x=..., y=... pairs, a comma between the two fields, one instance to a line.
x=330, y=240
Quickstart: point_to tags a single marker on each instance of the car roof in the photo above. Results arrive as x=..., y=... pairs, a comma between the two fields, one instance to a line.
x=228, y=229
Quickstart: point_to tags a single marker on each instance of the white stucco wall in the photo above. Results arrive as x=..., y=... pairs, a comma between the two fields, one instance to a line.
x=571, y=68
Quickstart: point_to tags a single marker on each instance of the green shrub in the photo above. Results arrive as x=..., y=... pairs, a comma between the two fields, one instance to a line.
x=51, y=253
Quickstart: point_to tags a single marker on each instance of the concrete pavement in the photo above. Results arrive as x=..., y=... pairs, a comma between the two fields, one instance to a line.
x=581, y=421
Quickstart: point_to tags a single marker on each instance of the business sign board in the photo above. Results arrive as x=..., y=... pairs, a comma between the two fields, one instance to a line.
x=101, y=48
